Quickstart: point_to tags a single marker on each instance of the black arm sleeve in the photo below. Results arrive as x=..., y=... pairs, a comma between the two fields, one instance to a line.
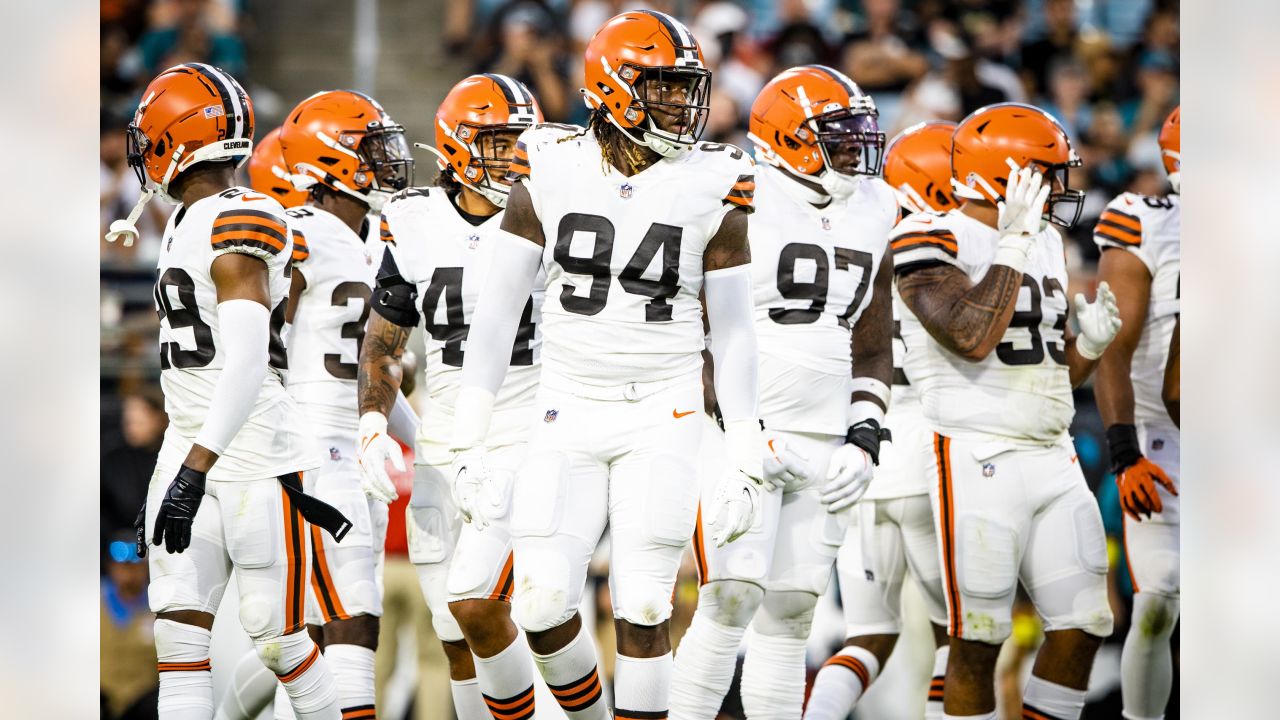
x=395, y=298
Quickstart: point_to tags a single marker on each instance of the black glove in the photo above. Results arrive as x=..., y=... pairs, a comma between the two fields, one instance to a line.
x=178, y=511
x=867, y=435
x=140, y=530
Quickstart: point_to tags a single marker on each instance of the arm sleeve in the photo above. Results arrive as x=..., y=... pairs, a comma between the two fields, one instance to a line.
x=733, y=342
x=403, y=423
x=244, y=330
x=493, y=333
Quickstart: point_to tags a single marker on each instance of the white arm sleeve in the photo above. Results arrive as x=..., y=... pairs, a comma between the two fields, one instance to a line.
x=244, y=333
x=403, y=423
x=512, y=272
x=733, y=341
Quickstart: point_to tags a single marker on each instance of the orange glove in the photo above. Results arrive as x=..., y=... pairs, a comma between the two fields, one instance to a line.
x=1137, y=484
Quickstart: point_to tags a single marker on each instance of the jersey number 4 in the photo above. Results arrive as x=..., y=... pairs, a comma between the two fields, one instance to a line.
x=186, y=314
x=659, y=237
x=446, y=286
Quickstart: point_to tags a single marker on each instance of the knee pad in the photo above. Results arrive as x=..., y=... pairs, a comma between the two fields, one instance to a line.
x=258, y=613
x=1154, y=616
x=283, y=653
x=642, y=604
x=730, y=602
x=180, y=643
x=787, y=614
x=540, y=608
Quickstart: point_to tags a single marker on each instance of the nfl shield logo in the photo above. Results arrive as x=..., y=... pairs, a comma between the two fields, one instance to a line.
x=988, y=469
x=625, y=190
x=826, y=223
x=473, y=241
x=334, y=454
x=1157, y=444
x=550, y=417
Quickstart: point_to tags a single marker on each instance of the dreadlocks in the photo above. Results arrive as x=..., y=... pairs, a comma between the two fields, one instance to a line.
x=616, y=150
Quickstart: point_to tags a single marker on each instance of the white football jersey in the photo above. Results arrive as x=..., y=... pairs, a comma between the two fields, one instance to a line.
x=624, y=255
x=1150, y=228
x=812, y=271
x=447, y=259
x=272, y=441
x=1020, y=391
x=339, y=267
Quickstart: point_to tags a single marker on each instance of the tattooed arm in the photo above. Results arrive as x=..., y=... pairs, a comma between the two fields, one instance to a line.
x=380, y=372
x=965, y=318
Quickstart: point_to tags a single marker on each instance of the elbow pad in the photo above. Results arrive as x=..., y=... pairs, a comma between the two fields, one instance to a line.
x=396, y=299
x=733, y=342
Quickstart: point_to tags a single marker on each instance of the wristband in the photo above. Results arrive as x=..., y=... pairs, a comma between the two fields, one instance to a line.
x=867, y=435
x=1122, y=440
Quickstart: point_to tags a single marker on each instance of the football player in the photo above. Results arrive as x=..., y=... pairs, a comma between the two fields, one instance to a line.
x=987, y=282
x=633, y=219
x=440, y=246
x=268, y=173
x=234, y=433
x=1139, y=238
x=893, y=532
x=823, y=316
x=343, y=149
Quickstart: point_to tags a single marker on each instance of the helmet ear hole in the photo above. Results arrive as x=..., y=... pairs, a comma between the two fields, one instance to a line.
x=791, y=144
x=160, y=148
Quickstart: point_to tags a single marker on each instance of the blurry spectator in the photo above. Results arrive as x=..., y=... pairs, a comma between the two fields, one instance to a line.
x=190, y=34
x=119, y=189
x=128, y=655
x=884, y=54
x=530, y=51
x=798, y=39
x=1068, y=99
x=978, y=81
x=723, y=125
x=126, y=470
x=739, y=68
x=1057, y=45
x=1157, y=81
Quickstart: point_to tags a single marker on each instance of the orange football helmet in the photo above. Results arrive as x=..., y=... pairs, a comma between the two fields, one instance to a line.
x=269, y=174
x=189, y=114
x=917, y=164
x=1171, y=147
x=815, y=121
x=471, y=124
x=345, y=141
x=644, y=73
x=986, y=142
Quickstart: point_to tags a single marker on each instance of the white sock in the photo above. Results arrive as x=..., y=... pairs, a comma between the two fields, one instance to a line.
x=933, y=705
x=252, y=687
x=840, y=683
x=281, y=709
x=1146, y=662
x=506, y=682
x=704, y=665
x=468, y=703
x=296, y=660
x=641, y=687
x=572, y=676
x=1044, y=700
x=773, y=677
x=182, y=659
x=352, y=668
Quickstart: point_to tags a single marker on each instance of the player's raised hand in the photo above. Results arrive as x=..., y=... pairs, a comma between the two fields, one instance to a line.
x=848, y=476
x=375, y=449
x=1099, y=322
x=734, y=507
x=1137, y=485
x=1022, y=210
x=178, y=510
x=785, y=466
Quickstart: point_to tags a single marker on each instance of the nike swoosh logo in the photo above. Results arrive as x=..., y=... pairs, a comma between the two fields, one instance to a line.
x=252, y=198
x=677, y=414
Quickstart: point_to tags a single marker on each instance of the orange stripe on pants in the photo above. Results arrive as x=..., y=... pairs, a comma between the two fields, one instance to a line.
x=946, y=507
x=322, y=581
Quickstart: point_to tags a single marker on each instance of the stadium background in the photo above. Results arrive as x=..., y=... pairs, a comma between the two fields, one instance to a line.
x=1108, y=69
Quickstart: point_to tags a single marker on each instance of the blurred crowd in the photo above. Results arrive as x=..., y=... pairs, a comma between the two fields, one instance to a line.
x=1107, y=69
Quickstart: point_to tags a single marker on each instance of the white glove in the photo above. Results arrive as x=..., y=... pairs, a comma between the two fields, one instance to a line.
x=1020, y=218
x=746, y=448
x=786, y=467
x=1099, y=322
x=848, y=476
x=734, y=507
x=481, y=493
x=376, y=448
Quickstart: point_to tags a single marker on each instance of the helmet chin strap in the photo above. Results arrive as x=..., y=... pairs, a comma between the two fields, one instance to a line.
x=493, y=195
